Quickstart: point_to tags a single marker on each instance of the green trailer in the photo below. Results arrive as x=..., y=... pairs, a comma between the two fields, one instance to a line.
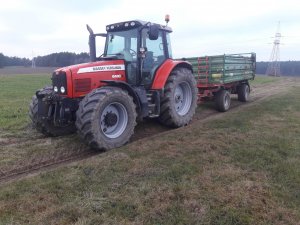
x=221, y=75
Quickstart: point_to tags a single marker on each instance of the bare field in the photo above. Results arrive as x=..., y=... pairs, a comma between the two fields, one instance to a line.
x=238, y=167
x=12, y=70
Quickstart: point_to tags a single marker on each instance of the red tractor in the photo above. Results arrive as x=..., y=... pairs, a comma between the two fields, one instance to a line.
x=134, y=78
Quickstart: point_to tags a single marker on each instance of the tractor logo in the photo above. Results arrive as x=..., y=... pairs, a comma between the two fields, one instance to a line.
x=116, y=76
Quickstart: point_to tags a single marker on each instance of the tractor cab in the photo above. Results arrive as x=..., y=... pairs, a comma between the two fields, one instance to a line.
x=143, y=46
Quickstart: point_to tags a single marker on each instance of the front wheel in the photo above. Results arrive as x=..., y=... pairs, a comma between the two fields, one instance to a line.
x=106, y=118
x=179, y=102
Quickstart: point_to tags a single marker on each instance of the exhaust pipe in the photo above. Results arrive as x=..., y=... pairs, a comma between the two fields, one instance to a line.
x=92, y=44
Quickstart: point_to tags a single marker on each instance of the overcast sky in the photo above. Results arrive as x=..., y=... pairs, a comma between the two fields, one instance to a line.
x=203, y=27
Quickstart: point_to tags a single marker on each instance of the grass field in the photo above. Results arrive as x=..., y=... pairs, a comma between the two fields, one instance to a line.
x=16, y=92
x=242, y=167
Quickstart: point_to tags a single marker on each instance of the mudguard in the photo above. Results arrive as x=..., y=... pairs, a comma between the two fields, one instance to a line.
x=164, y=71
x=138, y=93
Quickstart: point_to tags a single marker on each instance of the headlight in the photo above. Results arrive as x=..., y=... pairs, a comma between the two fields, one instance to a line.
x=55, y=89
x=62, y=90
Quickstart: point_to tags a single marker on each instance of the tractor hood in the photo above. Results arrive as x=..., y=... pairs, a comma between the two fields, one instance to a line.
x=83, y=78
x=94, y=67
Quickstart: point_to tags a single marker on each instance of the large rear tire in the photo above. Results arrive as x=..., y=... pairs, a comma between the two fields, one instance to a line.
x=44, y=126
x=179, y=102
x=106, y=118
x=222, y=100
x=243, y=92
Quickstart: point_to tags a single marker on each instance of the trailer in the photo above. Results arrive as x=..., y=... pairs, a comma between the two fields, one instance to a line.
x=217, y=75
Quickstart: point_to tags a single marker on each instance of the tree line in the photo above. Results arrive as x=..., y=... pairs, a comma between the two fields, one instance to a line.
x=13, y=61
x=288, y=68
x=61, y=59
x=291, y=68
x=53, y=60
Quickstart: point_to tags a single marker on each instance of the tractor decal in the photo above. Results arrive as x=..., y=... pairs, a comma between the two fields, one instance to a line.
x=101, y=68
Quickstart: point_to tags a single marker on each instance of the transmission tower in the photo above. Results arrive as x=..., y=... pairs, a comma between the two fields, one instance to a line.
x=274, y=62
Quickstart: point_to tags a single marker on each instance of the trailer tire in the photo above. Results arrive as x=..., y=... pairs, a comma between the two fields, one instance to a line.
x=222, y=100
x=46, y=127
x=106, y=118
x=243, y=92
x=179, y=102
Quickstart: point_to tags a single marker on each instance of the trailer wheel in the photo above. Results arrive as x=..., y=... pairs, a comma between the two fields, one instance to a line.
x=47, y=127
x=106, y=118
x=243, y=92
x=222, y=100
x=179, y=102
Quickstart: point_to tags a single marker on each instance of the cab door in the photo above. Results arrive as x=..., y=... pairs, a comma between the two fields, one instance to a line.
x=155, y=55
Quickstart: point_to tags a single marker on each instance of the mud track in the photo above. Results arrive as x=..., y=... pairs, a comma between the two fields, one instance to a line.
x=146, y=129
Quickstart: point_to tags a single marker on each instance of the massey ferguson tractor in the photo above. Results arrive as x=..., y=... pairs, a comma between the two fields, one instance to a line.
x=135, y=78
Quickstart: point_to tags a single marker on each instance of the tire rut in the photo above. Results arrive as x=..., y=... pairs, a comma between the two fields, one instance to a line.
x=25, y=171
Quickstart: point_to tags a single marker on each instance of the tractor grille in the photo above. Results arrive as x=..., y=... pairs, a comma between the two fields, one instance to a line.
x=82, y=85
x=60, y=80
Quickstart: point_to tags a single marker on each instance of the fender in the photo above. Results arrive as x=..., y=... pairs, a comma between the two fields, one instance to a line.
x=164, y=71
x=138, y=94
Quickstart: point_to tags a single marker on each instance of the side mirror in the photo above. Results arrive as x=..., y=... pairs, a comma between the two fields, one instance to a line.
x=153, y=32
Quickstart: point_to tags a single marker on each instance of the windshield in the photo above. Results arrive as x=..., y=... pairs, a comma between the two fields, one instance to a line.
x=122, y=44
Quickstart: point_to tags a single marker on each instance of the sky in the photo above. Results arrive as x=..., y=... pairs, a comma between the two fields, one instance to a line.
x=211, y=27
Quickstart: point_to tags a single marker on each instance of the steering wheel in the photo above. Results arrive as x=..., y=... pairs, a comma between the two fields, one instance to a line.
x=132, y=52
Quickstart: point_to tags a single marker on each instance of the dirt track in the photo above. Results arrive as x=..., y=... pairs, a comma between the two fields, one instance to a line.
x=147, y=129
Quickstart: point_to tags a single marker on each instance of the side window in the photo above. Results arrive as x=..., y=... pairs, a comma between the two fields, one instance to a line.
x=169, y=46
x=155, y=48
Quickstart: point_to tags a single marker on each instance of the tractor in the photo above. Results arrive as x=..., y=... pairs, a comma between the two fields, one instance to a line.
x=135, y=78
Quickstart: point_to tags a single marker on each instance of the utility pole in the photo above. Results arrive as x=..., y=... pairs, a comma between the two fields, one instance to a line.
x=33, y=61
x=274, y=62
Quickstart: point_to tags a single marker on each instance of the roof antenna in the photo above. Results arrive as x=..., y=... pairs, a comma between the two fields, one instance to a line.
x=167, y=19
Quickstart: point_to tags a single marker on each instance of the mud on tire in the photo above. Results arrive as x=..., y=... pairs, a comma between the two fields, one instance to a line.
x=179, y=102
x=106, y=118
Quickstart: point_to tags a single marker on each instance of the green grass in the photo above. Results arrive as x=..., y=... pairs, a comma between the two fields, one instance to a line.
x=263, y=79
x=242, y=168
x=16, y=92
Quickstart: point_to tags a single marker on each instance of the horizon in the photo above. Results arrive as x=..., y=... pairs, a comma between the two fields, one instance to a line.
x=291, y=60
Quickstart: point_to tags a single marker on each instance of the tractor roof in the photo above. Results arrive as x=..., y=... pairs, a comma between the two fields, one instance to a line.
x=127, y=25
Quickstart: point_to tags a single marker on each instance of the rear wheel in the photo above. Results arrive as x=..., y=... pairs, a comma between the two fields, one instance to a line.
x=106, y=118
x=222, y=100
x=47, y=127
x=243, y=92
x=180, y=98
